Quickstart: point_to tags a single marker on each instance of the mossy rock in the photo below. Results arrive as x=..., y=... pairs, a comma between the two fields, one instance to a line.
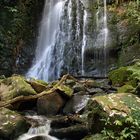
x=65, y=90
x=135, y=70
x=119, y=76
x=38, y=85
x=128, y=74
x=79, y=87
x=114, y=106
x=11, y=124
x=126, y=89
x=15, y=86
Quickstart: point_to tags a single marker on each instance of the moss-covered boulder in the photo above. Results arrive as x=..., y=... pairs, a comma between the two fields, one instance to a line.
x=119, y=76
x=11, y=124
x=113, y=108
x=128, y=74
x=13, y=87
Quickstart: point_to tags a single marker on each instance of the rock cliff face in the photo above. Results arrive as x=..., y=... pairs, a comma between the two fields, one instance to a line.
x=18, y=34
x=19, y=22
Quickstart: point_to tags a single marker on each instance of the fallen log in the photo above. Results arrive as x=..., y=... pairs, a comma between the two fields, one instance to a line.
x=32, y=97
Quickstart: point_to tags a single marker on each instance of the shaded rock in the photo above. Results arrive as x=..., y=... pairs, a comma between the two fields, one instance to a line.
x=79, y=87
x=65, y=121
x=94, y=137
x=15, y=86
x=75, y=132
x=40, y=138
x=70, y=82
x=11, y=124
x=93, y=91
x=113, y=106
x=2, y=77
x=76, y=104
x=90, y=83
x=50, y=104
x=137, y=91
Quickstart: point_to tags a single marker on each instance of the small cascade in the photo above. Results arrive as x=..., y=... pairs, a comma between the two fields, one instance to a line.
x=84, y=43
x=40, y=131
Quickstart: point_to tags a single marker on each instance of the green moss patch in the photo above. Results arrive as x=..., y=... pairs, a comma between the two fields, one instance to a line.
x=15, y=86
x=126, y=89
x=126, y=75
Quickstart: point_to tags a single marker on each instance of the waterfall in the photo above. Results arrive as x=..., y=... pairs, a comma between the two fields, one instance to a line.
x=42, y=68
x=60, y=40
x=64, y=40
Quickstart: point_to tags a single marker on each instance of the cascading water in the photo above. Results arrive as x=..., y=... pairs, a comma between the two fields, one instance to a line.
x=101, y=42
x=65, y=38
x=42, y=68
x=60, y=40
x=84, y=43
x=41, y=131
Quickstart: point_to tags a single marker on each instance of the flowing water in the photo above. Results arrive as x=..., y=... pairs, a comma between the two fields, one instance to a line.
x=63, y=40
x=84, y=43
x=41, y=68
x=100, y=54
x=41, y=131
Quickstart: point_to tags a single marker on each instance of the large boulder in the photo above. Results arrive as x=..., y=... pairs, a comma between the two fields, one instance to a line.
x=50, y=104
x=76, y=104
x=75, y=132
x=112, y=110
x=11, y=124
x=13, y=87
